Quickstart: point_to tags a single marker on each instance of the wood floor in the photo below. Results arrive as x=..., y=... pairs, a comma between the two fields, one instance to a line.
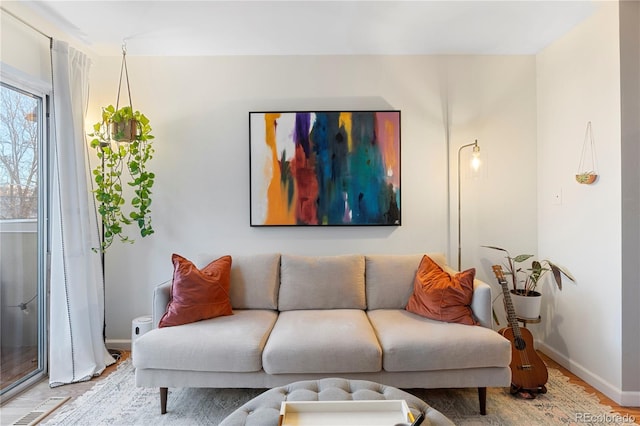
x=630, y=411
x=20, y=405
x=16, y=363
x=25, y=402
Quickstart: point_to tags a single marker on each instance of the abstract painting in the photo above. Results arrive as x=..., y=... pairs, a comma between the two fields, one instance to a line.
x=325, y=168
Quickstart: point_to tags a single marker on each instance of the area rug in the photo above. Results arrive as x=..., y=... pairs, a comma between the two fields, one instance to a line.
x=117, y=401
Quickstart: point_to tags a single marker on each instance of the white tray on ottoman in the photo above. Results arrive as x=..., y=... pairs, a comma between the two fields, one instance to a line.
x=345, y=413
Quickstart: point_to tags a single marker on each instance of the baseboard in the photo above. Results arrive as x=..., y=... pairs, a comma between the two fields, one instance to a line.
x=630, y=399
x=611, y=391
x=120, y=344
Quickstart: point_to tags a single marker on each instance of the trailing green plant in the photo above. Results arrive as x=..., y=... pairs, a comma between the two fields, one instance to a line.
x=117, y=155
x=525, y=280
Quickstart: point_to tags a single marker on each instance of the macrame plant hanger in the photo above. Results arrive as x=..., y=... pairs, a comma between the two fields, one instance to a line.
x=125, y=130
x=587, y=175
x=121, y=130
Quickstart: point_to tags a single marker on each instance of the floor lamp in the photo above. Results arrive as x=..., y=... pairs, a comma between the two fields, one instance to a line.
x=475, y=164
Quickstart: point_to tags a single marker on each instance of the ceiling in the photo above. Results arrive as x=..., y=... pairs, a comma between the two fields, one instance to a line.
x=186, y=28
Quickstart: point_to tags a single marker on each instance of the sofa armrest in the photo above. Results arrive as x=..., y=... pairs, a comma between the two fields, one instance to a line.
x=161, y=298
x=481, y=303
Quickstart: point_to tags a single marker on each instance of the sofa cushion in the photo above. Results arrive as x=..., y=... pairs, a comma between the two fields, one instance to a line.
x=198, y=294
x=254, y=280
x=322, y=341
x=321, y=282
x=224, y=344
x=413, y=343
x=441, y=296
x=390, y=278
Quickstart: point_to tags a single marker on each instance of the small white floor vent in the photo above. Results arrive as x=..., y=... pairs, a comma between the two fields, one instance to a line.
x=45, y=408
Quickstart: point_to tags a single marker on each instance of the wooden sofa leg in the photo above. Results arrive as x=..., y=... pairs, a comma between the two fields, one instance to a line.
x=482, y=396
x=163, y=400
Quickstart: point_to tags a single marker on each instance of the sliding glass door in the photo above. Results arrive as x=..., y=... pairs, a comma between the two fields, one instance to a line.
x=22, y=237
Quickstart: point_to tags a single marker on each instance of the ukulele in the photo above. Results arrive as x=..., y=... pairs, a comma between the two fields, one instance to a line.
x=528, y=372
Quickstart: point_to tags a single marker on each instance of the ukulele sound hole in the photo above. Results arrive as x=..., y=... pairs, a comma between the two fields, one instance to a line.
x=519, y=343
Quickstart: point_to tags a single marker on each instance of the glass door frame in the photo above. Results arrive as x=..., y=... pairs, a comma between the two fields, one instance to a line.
x=21, y=82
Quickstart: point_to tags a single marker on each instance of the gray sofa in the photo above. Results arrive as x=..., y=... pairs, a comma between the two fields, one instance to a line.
x=310, y=317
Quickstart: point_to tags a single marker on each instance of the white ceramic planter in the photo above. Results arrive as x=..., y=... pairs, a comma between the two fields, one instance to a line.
x=527, y=307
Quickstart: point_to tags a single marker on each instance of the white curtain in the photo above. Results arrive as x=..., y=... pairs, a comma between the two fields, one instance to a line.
x=77, y=350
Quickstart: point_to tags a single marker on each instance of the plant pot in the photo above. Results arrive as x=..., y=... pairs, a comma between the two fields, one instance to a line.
x=124, y=131
x=528, y=306
x=586, y=178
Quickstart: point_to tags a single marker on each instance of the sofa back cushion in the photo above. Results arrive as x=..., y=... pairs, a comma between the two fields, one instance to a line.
x=390, y=278
x=321, y=282
x=254, y=280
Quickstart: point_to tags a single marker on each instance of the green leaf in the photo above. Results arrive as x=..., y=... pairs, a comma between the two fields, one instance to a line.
x=522, y=257
x=558, y=271
x=495, y=248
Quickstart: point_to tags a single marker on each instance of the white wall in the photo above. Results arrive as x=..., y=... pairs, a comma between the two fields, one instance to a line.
x=199, y=110
x=24, y=49
x=578, y=80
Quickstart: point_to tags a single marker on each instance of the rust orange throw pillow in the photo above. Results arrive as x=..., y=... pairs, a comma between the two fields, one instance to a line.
x=441, y=296
x=198, y=294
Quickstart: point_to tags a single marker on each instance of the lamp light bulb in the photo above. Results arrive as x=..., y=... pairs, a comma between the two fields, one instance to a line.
x=475, y=158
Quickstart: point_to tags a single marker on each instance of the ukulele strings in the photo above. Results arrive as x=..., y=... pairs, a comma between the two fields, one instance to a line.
x=524, y=357
x=515, y=328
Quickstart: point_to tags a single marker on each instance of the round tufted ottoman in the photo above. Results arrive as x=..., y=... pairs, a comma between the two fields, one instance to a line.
x=264, y=410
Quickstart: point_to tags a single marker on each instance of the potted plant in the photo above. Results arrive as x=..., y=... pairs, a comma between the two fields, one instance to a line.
x=123, y=141
x=124, y=123
x=526, y=299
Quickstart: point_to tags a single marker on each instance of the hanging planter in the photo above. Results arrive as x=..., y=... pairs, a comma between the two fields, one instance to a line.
x=124, y=131
x=123, y=144
x=587, y=171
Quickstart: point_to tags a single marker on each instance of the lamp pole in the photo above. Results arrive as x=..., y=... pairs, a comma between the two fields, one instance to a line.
x=475, y=163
